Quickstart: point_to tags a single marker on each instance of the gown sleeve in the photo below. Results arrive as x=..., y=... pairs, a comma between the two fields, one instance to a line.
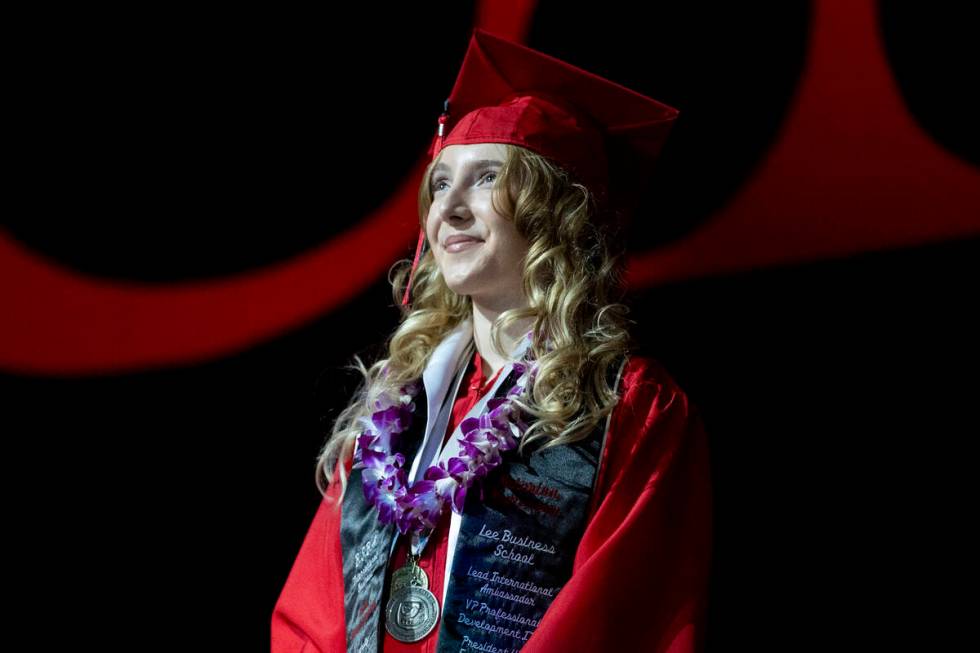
x=309, y=615
x=640, y=573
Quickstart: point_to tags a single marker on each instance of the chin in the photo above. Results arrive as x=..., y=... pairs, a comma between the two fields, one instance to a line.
x=462, y=286
x=460, y=289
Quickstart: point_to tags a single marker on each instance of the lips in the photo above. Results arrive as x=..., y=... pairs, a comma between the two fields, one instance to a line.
x=460, y=244
x=460, y=239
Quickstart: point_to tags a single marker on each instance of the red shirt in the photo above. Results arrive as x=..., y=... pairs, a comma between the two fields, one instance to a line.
x=433, y=559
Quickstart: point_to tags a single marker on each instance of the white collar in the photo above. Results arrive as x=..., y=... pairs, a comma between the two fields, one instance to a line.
x=446, y=367
x=448, y=363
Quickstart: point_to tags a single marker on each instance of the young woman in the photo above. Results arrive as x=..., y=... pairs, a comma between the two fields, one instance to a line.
x=513, y=475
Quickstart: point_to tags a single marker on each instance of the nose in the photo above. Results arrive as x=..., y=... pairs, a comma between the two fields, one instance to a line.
x=454, y=205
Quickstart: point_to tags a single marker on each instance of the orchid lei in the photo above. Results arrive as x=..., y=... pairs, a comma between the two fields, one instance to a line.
x=418, y=506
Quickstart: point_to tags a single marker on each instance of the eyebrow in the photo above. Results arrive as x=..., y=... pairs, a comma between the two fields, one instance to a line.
x=481, y=162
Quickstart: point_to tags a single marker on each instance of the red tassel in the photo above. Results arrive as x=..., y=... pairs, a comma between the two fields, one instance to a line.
x=441, y=134
x=434, y=147
x=415, y=263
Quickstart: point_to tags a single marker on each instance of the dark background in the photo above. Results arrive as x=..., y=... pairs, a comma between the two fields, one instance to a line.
x=163, y=510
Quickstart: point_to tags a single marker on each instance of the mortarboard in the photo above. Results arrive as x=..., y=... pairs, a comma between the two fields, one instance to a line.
x=606, y=135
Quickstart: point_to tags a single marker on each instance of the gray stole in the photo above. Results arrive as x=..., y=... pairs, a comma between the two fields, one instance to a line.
x=515, y=545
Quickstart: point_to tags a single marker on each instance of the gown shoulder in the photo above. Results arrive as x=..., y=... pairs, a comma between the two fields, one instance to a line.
x=641, y=569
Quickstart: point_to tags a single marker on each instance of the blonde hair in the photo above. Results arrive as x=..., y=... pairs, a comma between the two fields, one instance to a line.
x=573, y=278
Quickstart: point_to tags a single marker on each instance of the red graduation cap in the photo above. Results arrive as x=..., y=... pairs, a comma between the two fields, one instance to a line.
x=606, y=135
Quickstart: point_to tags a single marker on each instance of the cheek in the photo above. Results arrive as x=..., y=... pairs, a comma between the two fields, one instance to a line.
x=514, y=247
x=431, y=231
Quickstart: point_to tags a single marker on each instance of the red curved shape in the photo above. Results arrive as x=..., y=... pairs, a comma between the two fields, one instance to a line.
x=851, y=171
x=58, y=322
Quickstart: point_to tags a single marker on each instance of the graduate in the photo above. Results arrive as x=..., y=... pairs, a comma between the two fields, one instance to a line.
x=513, y=475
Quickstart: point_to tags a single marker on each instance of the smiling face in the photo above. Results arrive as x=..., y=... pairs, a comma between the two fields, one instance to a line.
x=489, y=266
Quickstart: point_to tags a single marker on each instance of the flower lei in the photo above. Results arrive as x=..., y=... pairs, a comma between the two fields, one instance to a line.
x=418, y=506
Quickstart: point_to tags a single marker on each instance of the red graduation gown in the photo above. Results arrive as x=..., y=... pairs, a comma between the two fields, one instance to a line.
x=640, y=575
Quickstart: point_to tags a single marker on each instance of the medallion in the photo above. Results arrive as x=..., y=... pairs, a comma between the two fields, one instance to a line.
x=411, y=614
x=409, y=574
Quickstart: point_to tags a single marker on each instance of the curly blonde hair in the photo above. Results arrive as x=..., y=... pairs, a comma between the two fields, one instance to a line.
x=573, y=278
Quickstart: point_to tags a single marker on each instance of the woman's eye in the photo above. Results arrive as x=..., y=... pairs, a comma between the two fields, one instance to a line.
x=437, y=184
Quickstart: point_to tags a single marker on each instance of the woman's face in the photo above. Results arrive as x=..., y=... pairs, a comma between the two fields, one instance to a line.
x=489, y=267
